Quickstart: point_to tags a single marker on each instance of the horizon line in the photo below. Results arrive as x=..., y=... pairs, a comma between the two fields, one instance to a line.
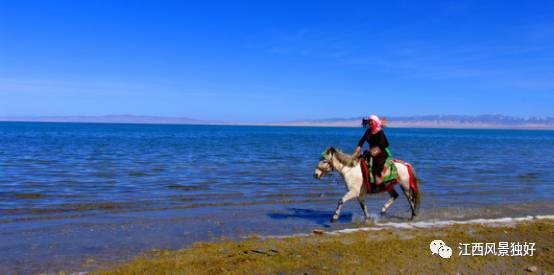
x=424, y=121
x=528, y=117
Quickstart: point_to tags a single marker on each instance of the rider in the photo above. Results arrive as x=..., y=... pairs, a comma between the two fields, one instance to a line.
x=378, y=145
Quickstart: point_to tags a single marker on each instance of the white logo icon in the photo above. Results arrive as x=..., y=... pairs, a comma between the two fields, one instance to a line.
x=440, y=248
x=435, y=245
x=445, y=252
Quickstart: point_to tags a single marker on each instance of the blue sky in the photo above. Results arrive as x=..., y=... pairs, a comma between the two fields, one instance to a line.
x=276, y=60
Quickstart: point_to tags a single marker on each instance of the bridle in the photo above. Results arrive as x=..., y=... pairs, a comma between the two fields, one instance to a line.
x=329, y=161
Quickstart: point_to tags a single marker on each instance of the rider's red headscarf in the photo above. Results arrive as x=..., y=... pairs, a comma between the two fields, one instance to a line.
x=376, y=126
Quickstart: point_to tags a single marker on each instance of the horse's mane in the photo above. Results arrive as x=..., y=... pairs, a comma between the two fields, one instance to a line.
x=344, y=158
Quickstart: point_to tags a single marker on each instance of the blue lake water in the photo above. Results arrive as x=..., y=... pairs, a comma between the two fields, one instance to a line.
x=72, y=192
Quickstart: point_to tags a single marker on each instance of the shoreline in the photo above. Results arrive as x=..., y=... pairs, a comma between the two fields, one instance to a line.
x=384, y=249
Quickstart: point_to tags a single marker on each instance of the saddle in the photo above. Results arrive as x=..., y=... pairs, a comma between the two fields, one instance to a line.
x=389, y=174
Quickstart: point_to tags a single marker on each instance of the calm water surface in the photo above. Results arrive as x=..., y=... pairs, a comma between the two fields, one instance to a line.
x=74, y=192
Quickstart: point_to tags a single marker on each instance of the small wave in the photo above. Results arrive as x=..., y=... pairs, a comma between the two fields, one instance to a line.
x=106, y=175
x=62, y=208
x=138, y=174
x=29, y=196
x=187, y=187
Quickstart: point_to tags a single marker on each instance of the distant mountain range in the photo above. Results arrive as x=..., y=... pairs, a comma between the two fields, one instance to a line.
x=441, y=121
x=420, y=121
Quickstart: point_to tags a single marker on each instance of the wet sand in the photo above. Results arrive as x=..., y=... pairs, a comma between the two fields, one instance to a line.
x=373, y=250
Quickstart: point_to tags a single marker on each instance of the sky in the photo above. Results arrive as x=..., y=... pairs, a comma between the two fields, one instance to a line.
x=276, y=60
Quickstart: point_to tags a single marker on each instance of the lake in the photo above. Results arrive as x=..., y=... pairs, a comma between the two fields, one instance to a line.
x=75, y=195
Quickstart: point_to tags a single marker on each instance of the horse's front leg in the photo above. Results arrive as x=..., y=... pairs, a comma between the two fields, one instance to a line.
x=394, y=195
x=348, y=196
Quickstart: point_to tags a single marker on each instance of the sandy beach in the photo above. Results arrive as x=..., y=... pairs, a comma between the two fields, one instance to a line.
x=372, y=250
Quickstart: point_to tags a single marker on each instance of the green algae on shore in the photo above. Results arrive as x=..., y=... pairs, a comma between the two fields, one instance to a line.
x=387, y=251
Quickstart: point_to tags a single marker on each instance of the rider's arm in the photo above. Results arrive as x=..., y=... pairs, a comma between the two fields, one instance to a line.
x=384, y=143
x=361, y=142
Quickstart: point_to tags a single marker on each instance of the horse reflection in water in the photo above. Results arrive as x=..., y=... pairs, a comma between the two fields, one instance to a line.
x=349, y=168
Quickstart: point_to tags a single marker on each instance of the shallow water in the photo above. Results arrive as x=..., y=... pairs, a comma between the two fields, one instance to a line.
x=70, y=192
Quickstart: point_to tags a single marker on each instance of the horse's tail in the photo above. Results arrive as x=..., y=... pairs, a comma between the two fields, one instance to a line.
x=414, y=187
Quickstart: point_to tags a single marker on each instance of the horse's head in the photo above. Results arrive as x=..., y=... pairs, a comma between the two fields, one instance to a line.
x=324, y=166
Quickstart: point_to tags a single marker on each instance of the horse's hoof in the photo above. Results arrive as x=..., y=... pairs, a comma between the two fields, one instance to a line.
x=333, y=220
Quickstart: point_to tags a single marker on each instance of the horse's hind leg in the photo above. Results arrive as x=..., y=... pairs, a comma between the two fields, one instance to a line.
x=348, y=196
x=388, y=204
x=408, y=195
x=361, y=200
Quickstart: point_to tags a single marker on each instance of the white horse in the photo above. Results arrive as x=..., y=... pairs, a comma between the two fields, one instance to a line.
x=350, y=170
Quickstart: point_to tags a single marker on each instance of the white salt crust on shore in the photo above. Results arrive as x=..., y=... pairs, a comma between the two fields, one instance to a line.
x=507, y=221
